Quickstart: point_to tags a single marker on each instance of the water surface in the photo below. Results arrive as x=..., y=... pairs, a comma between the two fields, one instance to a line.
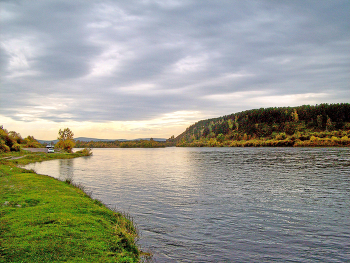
x=225, y=204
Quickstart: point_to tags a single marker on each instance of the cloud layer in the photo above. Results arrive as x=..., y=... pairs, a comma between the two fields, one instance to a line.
x=137, y=61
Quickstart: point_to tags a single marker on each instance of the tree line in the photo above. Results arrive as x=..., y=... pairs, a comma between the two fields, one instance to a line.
x=319, y=125
x=13, y=141
x=122, y=144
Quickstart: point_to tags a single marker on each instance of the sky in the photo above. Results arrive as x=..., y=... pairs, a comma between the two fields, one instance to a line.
x=150, y=68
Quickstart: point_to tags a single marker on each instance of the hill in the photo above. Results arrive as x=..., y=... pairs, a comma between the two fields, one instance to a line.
x=83, y=139
x=87, y=139
x=319, y=125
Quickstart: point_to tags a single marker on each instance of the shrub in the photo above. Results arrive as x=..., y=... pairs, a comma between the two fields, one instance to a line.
x=281, y=136
x=345, y=140
x=4, y=147
x=213, y=142
x=335, y=139
x=15, y=147
x=31, y=142
x=7, y=142
x=85, y=152
x=313, y=138
x=221, y=137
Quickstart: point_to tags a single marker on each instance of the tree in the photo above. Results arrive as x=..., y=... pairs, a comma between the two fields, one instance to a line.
x=31, y=142
x=66, y=140
x=7, y=142
x=222, y=127
x=319, y=121
x=206, y=132
x=329, y=124
x=295, y=116
x=220, y=137
x=16, y=136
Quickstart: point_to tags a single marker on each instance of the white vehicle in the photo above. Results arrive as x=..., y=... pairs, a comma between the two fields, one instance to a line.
x=50, y=149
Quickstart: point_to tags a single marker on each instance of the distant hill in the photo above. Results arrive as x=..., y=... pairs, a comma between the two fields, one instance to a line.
x=87, y=139
x=319, y=125
x=154, y=139
x=47, y=141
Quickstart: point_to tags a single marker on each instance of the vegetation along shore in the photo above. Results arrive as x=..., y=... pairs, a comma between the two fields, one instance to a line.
x=303, y=126
x=46, y=220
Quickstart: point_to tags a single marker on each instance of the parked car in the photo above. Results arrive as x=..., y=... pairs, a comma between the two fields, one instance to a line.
x=50, y=149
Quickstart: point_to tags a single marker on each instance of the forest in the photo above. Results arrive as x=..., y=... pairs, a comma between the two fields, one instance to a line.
x=319, y=125
x=122, y=144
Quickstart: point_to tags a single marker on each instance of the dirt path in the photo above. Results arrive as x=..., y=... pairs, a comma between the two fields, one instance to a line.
x=36, y=150
x=14, y=158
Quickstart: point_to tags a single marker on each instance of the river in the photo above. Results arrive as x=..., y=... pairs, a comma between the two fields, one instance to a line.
x=224, y=204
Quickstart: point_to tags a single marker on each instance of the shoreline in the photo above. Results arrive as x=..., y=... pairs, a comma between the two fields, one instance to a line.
x=286, y=142
x=45, y=219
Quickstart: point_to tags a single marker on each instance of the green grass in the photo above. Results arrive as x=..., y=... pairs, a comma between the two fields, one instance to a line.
x=45, y=220
x=28, y=157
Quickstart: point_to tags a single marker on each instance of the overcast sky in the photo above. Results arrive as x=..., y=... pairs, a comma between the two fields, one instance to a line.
x=131, y=69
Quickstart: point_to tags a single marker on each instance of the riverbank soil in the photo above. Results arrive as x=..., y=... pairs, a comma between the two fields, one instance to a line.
x=45, y=220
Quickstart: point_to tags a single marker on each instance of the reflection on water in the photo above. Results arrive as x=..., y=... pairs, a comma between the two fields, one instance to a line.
x=66, y=169
x=225, y=204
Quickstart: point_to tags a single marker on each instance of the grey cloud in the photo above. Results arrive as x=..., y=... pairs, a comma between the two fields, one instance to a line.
x=283, y=48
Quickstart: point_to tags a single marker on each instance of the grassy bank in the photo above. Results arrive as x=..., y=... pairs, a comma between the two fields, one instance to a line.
x=46, y=220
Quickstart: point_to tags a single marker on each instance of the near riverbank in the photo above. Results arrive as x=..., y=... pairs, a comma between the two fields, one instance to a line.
x=45, y=220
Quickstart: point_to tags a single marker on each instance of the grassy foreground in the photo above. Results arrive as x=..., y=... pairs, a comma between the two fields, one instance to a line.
x=45, y=220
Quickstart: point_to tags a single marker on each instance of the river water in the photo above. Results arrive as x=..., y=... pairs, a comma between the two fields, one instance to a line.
x=224, y=204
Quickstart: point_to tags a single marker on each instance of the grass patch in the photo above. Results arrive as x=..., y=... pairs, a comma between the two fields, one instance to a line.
x=45, y=220
x=31, y=157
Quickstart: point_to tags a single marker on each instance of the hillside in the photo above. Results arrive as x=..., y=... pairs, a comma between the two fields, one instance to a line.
x=320, y=125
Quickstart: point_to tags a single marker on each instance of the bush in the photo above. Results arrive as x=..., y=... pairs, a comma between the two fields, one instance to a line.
x=7, y=142
x=221, y=137
x=3, y=147
x=31, y=142
x=313, y=138
x=345, y=140
x=281, y=136
x=15, y=147
x=213, y=142
x=85, y=152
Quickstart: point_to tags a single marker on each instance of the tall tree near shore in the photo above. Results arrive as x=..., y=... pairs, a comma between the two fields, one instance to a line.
x=66, y=140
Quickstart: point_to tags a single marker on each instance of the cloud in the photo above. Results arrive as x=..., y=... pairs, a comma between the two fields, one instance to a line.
x=47, y=129
x=134, y=61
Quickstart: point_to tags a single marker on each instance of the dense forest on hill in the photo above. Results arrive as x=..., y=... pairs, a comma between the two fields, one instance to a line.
x=320, y=125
